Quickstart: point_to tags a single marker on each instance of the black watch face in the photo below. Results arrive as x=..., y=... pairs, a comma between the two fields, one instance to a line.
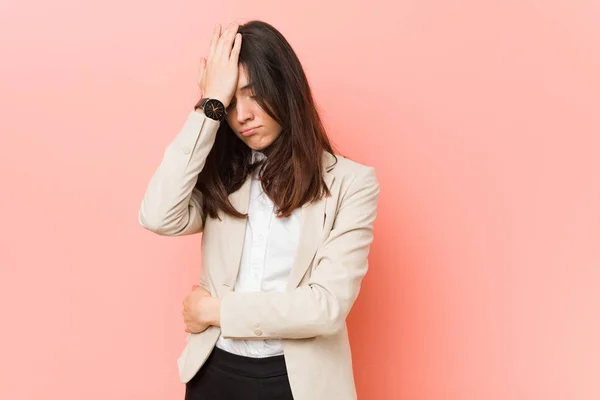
x=214, y=109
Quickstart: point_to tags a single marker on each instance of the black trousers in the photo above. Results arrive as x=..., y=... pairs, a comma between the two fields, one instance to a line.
x=228, y=376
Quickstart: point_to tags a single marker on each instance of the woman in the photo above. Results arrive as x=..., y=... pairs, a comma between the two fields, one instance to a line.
x=286, y=227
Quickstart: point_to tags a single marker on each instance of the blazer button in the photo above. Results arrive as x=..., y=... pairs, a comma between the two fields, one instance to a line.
x=186, y=150
x=258, y=332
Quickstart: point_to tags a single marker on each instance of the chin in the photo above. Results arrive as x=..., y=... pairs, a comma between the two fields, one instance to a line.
x=258, y=148
x=259, y=144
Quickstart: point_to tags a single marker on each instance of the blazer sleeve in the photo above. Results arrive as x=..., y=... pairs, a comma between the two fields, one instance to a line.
x=172, y=206
x=321, y=306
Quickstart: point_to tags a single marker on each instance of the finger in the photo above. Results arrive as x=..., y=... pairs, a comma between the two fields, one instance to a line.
x=226, y=40
x=237, y=45
x=214, y=40
x=201, y=71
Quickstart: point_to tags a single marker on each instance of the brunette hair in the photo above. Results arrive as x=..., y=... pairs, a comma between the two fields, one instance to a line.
x=292, y=173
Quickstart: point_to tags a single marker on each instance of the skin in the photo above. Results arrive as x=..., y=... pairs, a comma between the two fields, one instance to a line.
x=200, y=310
x=221, y=77
x=244, y=112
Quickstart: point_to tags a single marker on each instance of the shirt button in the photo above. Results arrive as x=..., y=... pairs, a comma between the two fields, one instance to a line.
x=257, y=332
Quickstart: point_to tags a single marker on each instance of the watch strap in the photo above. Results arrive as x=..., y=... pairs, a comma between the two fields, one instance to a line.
x=200, y=104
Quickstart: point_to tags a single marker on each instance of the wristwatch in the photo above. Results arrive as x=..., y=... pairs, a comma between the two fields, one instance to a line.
x=212, y=108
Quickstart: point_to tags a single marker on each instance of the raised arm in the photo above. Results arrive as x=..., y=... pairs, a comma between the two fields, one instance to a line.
x=172, y=205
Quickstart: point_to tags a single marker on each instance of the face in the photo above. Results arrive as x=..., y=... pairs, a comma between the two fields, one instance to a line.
x=244, y=113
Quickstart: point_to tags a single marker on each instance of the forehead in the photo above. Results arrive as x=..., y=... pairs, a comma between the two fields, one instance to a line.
x=242, y=77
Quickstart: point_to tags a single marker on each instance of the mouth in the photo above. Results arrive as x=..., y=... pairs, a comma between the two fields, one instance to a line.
x=250, y=131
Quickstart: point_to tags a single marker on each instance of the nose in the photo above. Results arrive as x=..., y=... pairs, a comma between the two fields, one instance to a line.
x=244, y=111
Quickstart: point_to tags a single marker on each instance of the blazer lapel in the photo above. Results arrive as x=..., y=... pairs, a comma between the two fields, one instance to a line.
x=233, y=236
x=311, y=230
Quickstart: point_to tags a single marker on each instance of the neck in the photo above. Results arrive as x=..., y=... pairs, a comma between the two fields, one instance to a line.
x=268, y=151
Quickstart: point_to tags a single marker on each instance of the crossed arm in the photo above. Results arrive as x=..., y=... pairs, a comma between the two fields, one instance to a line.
x=321, y=306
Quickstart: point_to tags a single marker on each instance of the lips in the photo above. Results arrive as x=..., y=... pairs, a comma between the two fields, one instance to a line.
x=249, y=131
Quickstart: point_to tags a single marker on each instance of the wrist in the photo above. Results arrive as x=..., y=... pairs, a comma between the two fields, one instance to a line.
x=197, y=106
x=215, y=311
x=222, y=99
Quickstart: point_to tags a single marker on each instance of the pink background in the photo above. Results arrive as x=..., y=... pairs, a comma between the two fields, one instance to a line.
x=481, y=118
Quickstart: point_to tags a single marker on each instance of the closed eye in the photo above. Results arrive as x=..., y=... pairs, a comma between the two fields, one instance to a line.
x=233, y=102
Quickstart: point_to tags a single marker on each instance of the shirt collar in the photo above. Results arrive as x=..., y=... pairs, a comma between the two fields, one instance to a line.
x=257, y=156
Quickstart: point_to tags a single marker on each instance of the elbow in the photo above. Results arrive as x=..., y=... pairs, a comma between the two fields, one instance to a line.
x=321, y=327
x=151, y=221
x=332, y=327
x=161, y=225
x=333, y=317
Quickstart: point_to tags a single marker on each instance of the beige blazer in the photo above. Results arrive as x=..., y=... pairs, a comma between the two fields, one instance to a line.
x=330, y=263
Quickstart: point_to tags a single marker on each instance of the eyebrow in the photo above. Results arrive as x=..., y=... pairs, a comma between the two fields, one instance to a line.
x=248, y=86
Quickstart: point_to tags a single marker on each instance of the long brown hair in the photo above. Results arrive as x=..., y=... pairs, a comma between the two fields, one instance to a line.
x=292, y=174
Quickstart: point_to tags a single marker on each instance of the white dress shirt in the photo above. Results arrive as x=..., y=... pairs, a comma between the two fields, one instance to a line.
x=268, y=253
